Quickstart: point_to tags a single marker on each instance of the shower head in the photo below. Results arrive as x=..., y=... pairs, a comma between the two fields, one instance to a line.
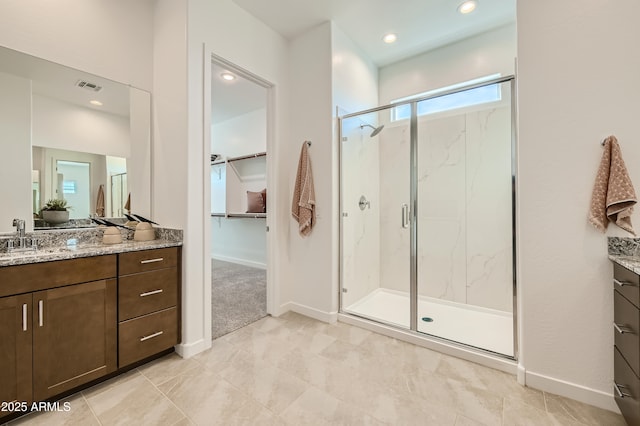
x=376, y=130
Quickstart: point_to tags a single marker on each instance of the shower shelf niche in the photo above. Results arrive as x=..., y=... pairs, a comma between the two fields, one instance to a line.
x=231, y=179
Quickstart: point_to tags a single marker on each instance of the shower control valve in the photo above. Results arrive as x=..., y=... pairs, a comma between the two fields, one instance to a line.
x=364, y=203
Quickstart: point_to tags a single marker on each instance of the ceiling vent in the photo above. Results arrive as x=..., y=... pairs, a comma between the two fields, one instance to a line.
x=83, y=84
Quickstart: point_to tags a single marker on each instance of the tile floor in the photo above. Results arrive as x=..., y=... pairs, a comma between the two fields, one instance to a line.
x=294, y=370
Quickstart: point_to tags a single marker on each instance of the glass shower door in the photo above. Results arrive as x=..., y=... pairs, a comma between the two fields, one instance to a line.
x=464, y=236
x=375, y=226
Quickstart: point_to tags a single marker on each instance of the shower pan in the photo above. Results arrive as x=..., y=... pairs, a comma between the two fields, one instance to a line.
x=433, y=251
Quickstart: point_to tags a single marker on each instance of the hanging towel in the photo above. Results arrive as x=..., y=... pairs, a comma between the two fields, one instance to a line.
x=304, y=198
x=613, y=195
x=100, y=202
x=127, y=205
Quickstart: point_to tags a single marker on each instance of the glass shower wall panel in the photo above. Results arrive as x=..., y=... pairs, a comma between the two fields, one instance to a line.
x=374, y=244
x=465, y=242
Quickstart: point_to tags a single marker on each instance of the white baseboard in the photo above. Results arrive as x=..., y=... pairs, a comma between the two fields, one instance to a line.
x=328, y=317
x=580, y=393
x=239, y=261
x=187, y=350
x=521, y=375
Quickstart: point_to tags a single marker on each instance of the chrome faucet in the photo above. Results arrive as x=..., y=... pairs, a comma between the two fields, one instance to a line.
x=22, y=239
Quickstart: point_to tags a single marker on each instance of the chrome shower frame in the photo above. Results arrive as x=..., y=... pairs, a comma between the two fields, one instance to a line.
x=413, y=329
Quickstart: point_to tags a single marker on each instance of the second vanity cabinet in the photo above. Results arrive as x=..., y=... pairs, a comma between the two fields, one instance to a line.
x=66, y=323
x=626, y=352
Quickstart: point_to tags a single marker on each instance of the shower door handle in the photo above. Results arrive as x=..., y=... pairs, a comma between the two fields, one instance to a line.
x=405, y=215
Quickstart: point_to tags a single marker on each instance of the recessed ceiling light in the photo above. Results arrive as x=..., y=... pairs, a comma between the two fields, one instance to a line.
x=467, y=6
x=227, y=76
x=389, y=38
x=96, y=103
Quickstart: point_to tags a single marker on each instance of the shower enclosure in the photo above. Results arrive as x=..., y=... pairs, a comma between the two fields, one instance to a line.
x=427, y=215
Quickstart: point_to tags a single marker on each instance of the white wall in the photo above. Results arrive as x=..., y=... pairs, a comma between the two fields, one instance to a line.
x=241, y=135
x=578, y=82
x=183, y=148
x=485, y=54
x=112, y=39
x=354, y=88
x=62, y=125
x=15, y=146
x=312, y=260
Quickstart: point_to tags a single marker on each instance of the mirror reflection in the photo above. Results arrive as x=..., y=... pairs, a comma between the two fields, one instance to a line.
x=70, y=135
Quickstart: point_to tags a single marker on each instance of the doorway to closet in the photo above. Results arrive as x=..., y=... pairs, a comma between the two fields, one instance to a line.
x=239, y=116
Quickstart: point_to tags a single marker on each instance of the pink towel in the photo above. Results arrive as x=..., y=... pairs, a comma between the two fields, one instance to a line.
x=303, y=205
x=100, y=202
x=613, y=195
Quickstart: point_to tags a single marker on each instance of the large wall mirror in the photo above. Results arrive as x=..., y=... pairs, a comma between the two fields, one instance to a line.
x=67, y=134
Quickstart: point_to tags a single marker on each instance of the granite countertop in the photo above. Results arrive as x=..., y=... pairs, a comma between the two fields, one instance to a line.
x=72, y=252
x=632, y=263
x=61, y=245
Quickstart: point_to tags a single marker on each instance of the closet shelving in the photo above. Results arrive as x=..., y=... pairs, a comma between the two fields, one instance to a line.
x=231, y=178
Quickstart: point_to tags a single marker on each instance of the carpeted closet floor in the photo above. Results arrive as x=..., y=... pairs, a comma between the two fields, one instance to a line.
x=238, y=296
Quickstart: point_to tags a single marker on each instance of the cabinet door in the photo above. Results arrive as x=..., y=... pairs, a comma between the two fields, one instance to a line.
x=74, y=336
x=15, y=348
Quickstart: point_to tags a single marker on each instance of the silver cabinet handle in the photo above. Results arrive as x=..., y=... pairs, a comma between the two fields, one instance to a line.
x=624, y=283
x=622, y=329
x=159, y=259
x=40, y=313
x=619, y=392
x=151, y=336
x=149, y=293
x=24, y=317
x=405, y=215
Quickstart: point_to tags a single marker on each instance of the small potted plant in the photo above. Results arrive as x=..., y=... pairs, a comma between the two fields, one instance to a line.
x=55, y=211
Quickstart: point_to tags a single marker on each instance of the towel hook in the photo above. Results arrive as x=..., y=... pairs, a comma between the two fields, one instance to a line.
x=308, y=142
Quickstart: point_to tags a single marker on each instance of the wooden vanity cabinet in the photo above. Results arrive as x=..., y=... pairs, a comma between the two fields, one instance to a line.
x=15, y=348
x=60, y=332
x=74, y=336
x=69, y=322
x=626, y=328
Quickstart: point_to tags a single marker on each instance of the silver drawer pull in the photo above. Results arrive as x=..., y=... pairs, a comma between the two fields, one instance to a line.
x=624, y=283
x=619, y=392
x=159, y=259
x=150, y=293
x=622, y=329
x=24, y=317
x=40, y=313
x=151, y=336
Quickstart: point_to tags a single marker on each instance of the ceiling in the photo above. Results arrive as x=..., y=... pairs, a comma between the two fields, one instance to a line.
x=234, y=98
x=420, y=25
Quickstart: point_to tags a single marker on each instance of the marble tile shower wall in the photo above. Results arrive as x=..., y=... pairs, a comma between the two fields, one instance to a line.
x=464, y=232
x=361, y=228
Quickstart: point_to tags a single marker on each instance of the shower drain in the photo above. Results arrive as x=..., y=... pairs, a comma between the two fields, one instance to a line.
x=427, y=319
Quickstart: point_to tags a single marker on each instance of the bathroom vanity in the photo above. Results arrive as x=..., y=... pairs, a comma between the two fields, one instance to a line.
x=626, y=325
x=71, y=317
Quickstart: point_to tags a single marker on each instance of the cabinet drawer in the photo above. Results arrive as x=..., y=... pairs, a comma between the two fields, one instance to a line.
x=627, y=283
x=626, y=389
x=46, y=275
x=148, y=335
x=626, y=320
x=144, y=293
x=147, y=260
